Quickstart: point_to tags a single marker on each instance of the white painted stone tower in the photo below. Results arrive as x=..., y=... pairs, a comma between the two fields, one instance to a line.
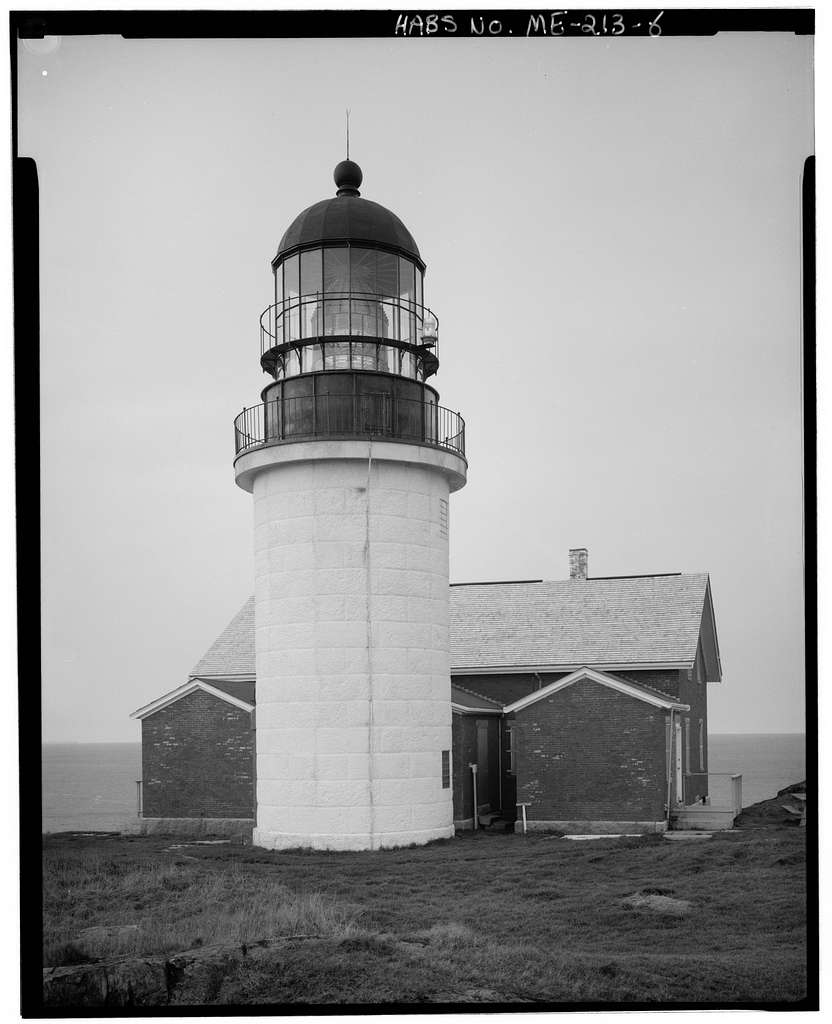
x=351, y=462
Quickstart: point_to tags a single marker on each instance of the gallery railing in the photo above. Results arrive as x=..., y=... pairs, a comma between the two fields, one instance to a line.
x=356, y=314
x=333, y=416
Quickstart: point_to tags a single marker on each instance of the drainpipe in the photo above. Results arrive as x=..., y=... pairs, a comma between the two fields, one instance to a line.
x=473, y=768
x=669, y=765
x=500, y=761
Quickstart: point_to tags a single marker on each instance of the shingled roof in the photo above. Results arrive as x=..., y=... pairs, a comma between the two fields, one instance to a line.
x=638, y=620
x=232, y=653
x=622, y=621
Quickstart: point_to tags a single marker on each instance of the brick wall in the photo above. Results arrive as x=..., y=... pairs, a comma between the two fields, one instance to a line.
x=665, y=680
x=692, y=691
x=589, y=753
x=198, y=760
x=505, y=688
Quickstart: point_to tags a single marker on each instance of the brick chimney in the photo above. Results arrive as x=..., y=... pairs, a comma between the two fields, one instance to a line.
x=578, y=563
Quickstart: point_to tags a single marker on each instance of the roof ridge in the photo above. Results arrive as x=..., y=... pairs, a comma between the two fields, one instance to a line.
x=496, y=583
x=589, y=579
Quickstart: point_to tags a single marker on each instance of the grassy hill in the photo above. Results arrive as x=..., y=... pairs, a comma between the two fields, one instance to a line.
x=477, y=919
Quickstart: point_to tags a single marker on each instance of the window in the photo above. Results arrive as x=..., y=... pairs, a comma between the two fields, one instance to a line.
x=443, y=518
x=446, y=769
x=688, y=744
x=701, y=745
x=510, y=761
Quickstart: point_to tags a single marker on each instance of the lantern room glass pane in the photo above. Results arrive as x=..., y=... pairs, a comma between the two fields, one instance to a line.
x=311, y=272
x=291, y=279
x=278, y=285
x=407, y=327
x=311, y=315
x=387, y=274
x=387, y=319
x=312, y=358
x=311, y=284
x=362, y=270
x=337, y=355
x=419, y=290
x=364, y=318
x=388, y=359
x=408, y=365
x=292, y=363
x=364, y=355
x=336, y=316
x=336, y=270
x=406, y=277
x=291, y=311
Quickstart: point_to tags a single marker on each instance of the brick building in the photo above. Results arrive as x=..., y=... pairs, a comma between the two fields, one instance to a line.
x=583, y=699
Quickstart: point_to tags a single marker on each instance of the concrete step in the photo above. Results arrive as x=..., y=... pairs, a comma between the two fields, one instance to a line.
x=702, y=818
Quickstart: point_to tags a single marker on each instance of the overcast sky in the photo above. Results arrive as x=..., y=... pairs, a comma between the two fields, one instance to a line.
x=612, y=233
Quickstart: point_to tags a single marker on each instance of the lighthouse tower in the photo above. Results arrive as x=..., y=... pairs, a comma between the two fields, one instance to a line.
x=350, y=460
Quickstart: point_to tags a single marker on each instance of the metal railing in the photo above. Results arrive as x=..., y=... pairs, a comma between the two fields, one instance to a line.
x=333, y=416
x=725, y=791
x=324, y=315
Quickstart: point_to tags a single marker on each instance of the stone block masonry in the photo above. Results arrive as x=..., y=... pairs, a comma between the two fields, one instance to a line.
x=351, y=631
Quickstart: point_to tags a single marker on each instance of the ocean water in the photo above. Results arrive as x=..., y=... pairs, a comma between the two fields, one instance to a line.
x=92, y=786
x=768, y=762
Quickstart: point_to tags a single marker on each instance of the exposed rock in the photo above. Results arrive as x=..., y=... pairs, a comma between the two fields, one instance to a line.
x=191, y=977
x=666, y=905
x=119, y=983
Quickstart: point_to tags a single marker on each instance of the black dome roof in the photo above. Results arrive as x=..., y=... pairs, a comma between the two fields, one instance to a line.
x=348, y=218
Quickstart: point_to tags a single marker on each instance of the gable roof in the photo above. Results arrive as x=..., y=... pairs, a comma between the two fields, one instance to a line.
x=639, y=621
x=623, y=686
x=635, y=622
x=187, y=688
x=232, y=653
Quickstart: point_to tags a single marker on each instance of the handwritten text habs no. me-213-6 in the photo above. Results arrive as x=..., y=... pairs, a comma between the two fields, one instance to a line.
x=557, y=23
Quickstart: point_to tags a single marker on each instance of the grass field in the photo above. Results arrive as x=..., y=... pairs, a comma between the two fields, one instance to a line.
x=480, y=918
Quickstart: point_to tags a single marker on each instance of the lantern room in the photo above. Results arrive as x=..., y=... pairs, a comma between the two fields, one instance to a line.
x=349, y=285
x=348, y=340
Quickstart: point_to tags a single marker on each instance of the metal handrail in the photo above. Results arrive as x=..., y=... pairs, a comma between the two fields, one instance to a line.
x=277, y=323
x=331, y=416
x=736, y=785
